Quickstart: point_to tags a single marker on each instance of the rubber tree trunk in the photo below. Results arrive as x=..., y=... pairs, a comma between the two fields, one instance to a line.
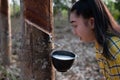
x=34, y=60
x=5, y=32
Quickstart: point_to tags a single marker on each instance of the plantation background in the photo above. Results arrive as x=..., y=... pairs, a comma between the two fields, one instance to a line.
x=85, y=66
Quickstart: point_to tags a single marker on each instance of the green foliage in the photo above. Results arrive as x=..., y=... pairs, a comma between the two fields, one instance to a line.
x=62, y=20
x=117, y=6
x=114, y=8
x=15, y=12
x=60, y=5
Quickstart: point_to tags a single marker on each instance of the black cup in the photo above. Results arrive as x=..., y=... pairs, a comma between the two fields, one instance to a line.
x=62, y=60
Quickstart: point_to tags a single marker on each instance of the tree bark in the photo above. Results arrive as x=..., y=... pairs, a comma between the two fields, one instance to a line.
x=34, y=60
x=5, y=31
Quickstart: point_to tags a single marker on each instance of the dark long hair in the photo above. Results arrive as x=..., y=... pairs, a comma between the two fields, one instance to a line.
x=103, y=21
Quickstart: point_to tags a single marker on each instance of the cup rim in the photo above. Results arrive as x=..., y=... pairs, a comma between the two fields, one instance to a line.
x=64, y=51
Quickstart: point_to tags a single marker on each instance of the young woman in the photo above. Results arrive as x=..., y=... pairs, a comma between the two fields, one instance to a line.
x=92, y=22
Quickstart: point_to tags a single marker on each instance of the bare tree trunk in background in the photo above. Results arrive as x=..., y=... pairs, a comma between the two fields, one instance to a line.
x=21, y=54
x=35, y=63
x=5, y=31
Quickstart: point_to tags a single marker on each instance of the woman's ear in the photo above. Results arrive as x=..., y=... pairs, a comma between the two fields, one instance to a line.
x=91, y=22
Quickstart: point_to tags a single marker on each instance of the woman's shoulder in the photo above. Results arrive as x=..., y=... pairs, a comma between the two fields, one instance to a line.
x=114, y=45
x=112, y=37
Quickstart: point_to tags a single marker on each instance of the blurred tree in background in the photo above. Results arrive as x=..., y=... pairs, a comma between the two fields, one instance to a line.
x=62, y=7
x=61, y=11
x=114, y=7
x=15, y=8
x=117, y=6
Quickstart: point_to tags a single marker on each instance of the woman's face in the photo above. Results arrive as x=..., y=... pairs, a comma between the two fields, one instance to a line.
x=83, y=28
